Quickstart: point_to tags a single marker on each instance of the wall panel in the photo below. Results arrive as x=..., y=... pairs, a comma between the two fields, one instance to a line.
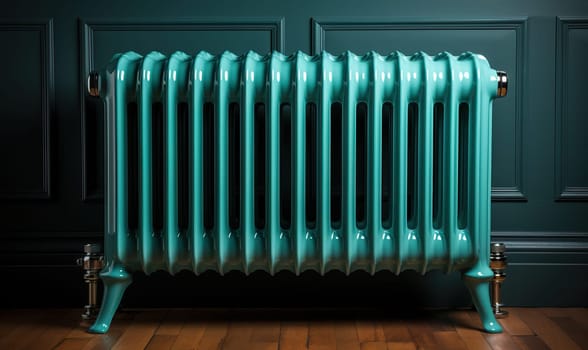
x=571, y=162
x=27, y=103
x=103, y=38
x=502, y=41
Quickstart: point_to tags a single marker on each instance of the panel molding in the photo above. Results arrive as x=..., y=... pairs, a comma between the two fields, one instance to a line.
x=88, y=27
x=564, y=192
x=543, y=241
x=45, y=29
x=321, y=25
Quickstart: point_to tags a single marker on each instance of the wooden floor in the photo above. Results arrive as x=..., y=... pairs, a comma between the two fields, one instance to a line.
x=285, y=329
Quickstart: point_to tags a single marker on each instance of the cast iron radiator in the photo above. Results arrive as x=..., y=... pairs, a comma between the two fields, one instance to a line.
x=297, y=162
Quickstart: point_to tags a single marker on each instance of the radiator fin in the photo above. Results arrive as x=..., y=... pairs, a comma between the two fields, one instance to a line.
x=124, y=90
x=348, y=215
x=400, y=147
x=450, y=158
x=175, y=85
x=299, y=229
x=425, y=159
x=149, y=92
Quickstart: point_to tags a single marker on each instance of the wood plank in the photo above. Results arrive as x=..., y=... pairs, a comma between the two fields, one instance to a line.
x=440, y=321
x=401, y=345
x=502, y=341
x=421, y=333
x=577, y=313
x=346, y=335
x=369, y=331
x=213, y=336
x=321, y=335
x=238, y=335
x=266, y=332
x=172, y=322
x=496, y=341
x=140, y=331
x=81, y=331
x=191, y=333
x=161, y=342
x=515, y=326
x=72, y=344
x=373, y=345
x=545, y=328
x=465, y=328
x=395, y=331
x=530, y=342
x=10, y=320
x=573, y=329
x=26, y=334
x=294, y=335
x=449, y=340
x=580, y=315
x=107, y=341
x=57, y=325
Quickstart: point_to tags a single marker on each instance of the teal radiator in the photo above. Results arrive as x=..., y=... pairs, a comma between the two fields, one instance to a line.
x=297, y=163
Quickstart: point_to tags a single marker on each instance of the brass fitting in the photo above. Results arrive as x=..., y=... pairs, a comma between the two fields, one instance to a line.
x=502, y=87
x=92, y=262
x=498, y=266
x=94, y=84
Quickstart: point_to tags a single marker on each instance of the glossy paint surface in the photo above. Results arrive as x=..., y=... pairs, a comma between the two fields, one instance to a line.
x=297, y=80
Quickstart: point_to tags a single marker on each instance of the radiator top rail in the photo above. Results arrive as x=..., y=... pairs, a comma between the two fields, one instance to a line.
x=94, y=83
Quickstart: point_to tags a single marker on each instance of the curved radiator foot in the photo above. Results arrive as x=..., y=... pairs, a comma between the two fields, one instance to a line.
x=478, y=284
x=116, y=280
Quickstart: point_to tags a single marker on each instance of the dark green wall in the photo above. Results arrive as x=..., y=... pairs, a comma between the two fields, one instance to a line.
x=51, y=134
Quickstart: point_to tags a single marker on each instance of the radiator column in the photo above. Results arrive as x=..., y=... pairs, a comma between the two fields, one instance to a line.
x=400, y=166
x=150, y=243
x=299, y=229
x=349, y=165
x=324, y=162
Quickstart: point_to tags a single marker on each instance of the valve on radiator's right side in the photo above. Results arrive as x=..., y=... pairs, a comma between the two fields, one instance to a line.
x=498, y=266
x=502, y=86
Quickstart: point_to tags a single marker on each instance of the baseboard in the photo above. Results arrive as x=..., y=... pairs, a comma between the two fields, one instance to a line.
x=544, y=269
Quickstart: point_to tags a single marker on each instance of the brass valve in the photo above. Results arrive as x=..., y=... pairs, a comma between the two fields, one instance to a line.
x=498, y=266
x=92, y=262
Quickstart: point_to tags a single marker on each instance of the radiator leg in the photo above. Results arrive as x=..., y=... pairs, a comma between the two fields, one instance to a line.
x=478, y=285
x=116, y=280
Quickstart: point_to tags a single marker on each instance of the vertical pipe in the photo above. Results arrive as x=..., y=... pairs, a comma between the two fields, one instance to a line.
x=479, y=175
x=176, y=83
x=150, y=87
x=201, y=83
x=126, y=76
x=221, y=161
x=272, y=163
x=298, y=160
x=450, y=158
x=400, y=140
x=374, y=150
x=248, y=159
x=425, y=162
x=324, y=162
x=348, y=216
